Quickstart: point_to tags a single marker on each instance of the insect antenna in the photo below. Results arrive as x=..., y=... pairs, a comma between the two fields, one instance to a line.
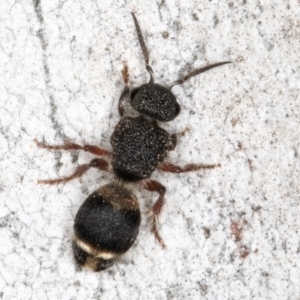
x=197, y=72
x=144, y=47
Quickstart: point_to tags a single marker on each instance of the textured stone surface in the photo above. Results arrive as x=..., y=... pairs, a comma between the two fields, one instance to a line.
x=233, y=232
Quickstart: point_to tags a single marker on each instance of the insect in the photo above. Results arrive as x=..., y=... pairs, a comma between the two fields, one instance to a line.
x=108, y=221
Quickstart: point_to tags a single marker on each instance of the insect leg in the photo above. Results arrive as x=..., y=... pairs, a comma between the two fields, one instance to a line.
x=126, y=91
x=98, y=163
x=72, y=146
x=155, y=186
x=171, y=168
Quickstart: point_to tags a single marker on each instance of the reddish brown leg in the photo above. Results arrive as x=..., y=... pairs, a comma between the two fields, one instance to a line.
x=72, y=146
x=168, y=167
x=125, y=73
x=174, y=137
x=98, y=163
x=155, y=186
x=126, y=91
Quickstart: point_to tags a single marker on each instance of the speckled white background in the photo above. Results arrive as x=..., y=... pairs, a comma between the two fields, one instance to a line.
x=233, y=232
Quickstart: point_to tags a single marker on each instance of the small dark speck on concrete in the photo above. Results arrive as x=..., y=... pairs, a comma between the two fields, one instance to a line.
x=77, y=283
x=203, y=287
x=195, y=16
x=206, y=232
x=269, y=45
x=256, y=208
x=84, y=190
x=165, y=34
x=110, y=273
x=295, y=153
x=162, y=3
x=216, y=20
x=74, y=157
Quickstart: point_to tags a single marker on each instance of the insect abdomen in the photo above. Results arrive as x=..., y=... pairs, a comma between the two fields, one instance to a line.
x=106, y=226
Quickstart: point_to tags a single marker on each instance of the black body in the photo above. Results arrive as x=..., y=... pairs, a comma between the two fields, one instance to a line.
x=155, y=101
x=106, y=225
x=139, y=145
